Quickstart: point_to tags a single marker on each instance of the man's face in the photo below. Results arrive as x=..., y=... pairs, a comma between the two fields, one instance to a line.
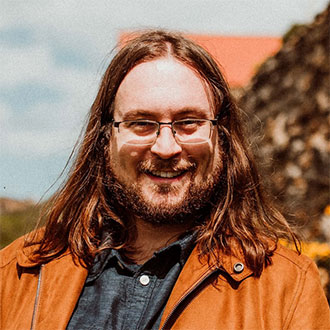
x=167, y=179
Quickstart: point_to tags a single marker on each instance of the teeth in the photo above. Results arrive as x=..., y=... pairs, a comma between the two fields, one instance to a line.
x=166, y=174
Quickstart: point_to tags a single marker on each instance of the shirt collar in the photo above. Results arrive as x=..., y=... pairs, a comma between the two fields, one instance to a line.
x=183, y=245
x=178, y=250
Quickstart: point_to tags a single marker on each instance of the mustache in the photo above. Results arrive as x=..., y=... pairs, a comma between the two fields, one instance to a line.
x=172, y=165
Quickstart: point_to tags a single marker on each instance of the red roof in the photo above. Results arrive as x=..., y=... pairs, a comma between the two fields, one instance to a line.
x=239, y=56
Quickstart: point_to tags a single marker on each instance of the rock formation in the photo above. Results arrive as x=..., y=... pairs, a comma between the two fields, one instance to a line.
x=288, y=103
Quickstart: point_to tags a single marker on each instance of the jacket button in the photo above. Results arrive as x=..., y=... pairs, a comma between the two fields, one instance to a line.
x=238, y=268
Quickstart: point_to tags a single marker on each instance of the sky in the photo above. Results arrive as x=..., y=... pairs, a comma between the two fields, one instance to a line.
x=53, y=55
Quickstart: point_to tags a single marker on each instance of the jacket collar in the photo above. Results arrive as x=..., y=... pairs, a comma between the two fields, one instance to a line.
x=197, y=269
x=234, y=265
x=23, y=258
x=24, y=253
x=228, y=263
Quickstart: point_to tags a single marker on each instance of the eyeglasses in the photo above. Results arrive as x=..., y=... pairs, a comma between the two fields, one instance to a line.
x=145, y=132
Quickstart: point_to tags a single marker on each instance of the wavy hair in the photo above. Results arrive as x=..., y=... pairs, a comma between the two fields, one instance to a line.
x=81, y=209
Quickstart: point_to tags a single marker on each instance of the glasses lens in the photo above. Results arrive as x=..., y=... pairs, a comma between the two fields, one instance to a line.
x=138, y=132
x=192, y=131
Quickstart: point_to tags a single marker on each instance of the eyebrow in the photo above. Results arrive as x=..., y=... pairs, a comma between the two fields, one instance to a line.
x=184, y=112
x=137, y=113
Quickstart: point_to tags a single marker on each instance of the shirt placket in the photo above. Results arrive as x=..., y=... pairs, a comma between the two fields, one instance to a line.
x=142, y=286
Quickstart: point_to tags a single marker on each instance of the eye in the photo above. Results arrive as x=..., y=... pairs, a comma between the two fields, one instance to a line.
x=140, y=127
x=187, y=124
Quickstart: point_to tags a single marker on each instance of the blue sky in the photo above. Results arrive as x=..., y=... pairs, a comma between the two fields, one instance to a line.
x=53, y=54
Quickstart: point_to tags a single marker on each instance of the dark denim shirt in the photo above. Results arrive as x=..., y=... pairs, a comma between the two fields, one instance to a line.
x=118, y=295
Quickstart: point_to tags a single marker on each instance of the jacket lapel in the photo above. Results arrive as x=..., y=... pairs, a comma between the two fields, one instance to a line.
x=61, y=283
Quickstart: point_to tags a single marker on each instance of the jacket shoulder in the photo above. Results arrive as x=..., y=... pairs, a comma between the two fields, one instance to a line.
x=9, y=253
x=16, y=251
x=299, y=278
x=289, y=257
x=295, y=268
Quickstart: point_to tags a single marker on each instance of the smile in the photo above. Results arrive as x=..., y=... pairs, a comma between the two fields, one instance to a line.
x=166, y=175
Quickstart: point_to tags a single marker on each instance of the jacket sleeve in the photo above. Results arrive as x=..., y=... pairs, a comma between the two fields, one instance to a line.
x=312, y=309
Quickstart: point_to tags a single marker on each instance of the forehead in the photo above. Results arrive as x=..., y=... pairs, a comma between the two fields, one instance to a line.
x=162, y=88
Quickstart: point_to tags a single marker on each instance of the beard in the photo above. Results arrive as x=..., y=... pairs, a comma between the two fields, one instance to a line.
x=193, y=209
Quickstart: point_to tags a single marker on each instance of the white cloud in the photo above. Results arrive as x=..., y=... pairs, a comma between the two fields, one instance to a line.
x=37, y=143
x=50, y=125
x=45, y=128
x=19, y=65
x=4, y=115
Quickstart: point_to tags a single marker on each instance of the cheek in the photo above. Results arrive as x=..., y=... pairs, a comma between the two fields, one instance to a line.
x=208, y=158
x=202, y=153
x=124, y=157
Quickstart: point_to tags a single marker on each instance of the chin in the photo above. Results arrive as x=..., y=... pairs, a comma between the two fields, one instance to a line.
x=164, y=198
x=164, y=204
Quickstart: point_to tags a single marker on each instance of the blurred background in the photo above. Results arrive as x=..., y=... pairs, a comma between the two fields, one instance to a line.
x=274, y=54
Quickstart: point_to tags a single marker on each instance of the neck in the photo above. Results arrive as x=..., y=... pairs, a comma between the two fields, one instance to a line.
x=151, y=238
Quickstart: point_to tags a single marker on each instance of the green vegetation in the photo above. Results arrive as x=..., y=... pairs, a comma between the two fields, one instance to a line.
x=17, y=223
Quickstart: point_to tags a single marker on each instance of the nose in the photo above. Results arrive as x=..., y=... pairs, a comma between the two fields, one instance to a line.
x=166, y=146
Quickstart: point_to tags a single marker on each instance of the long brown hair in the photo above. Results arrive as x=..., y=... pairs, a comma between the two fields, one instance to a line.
x=81, y=209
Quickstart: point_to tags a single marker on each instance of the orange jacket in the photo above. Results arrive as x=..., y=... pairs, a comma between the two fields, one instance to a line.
x=288, y=295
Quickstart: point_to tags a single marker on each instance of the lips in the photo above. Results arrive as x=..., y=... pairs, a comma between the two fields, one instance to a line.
x=166, y=174
x=163, y=170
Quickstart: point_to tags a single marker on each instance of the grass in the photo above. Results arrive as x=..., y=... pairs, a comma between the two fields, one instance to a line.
x=16, y=224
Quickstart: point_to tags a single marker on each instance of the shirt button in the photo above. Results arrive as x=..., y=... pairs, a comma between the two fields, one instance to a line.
x=238, y=268
x=144, y=279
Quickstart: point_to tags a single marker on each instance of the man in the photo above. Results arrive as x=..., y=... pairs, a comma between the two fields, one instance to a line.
x=162, y=222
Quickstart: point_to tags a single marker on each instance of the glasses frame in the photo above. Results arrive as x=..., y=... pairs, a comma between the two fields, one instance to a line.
x=171, y=123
